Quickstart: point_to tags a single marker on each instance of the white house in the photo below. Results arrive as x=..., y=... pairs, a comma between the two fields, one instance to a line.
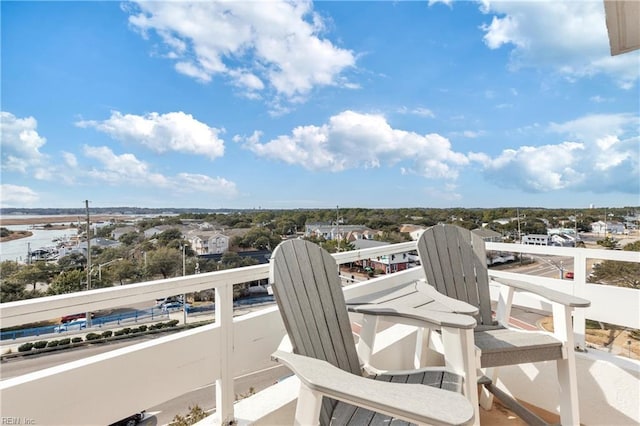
x=209, y=243
x=387, y=263
x=488, y=235
x=119, y=232
x=330, y=231
x=536, y=239
x=601, y=227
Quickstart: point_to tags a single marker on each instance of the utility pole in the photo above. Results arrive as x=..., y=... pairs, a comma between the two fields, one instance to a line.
x=86, y=203
x=518, y=216
x=575, y=230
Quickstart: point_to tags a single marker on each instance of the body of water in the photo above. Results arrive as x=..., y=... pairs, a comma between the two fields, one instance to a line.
x=17, y=250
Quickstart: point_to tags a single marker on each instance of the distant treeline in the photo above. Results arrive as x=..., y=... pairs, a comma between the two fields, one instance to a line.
x=108, y=211
x=491, y=212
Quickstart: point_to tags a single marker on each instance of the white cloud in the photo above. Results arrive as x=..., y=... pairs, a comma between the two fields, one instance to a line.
x=597, y=126
x=16, y=196
x=273, y=45
x=420, y=111
x=569, y=37
x=126, y=169
x=198, y=183
x=472, y=134
x=70, y=159
x=601, y=155
x=121, y=169
x=352, y=140
x=174, y=131
x=446, y=2
x=20, y=143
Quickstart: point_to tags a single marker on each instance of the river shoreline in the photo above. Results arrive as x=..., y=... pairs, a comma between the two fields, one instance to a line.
x=16, y=235
x=49, y=223
x=72, y=220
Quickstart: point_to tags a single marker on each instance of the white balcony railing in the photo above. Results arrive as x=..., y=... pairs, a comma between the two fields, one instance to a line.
x=104, y=388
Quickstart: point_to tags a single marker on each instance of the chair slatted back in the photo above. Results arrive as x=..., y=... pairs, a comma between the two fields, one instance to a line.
x=308, y=291
x=455, y=263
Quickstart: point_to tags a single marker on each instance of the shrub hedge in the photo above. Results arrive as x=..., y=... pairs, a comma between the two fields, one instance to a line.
x=41, y=344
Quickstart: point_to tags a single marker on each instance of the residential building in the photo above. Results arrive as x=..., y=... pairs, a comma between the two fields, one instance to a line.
x=386, y=263
x=536, y=239
x=330, y=231
x=208, y=242
x=119, y=232
x=488, y=235
x=601, y=227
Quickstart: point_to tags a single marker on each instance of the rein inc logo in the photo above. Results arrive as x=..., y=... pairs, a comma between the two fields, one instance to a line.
x=16, y=421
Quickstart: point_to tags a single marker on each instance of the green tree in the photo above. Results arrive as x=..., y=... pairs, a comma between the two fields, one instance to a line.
x=260, y=239
x=8, y=268
x=170, y=236
x=11, y=290
x=123, y=270
x=105, y=231
x=131, y=238
x=35, y=273
x=608, y=242
x=68, y=282
x=71, y=261
x=622, y=274
x=164, y=261
x=332, y=246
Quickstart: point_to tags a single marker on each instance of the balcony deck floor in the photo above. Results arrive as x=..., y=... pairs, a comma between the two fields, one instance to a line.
x=499, y=415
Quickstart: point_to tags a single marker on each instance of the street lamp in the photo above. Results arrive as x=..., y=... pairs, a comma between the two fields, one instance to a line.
x=105, y=264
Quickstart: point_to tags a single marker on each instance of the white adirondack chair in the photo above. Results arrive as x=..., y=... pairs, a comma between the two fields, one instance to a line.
x=335, y=388
x=454, y=261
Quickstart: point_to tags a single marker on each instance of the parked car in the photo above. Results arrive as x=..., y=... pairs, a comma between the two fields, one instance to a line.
x=77, y=324
x=165, y=300
x=568, y=275
x=72, y=317
x=132, y=420
x=173, y=306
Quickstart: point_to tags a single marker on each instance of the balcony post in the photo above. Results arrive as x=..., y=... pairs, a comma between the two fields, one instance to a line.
x=224, y=384
x=579, y=289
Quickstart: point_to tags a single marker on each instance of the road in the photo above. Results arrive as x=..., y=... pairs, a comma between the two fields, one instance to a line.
x=545, y=266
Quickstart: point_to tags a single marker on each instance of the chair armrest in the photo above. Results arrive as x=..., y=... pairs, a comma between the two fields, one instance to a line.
x=457, y=306
x=433, y=318
x=412, y=402
x=552, y=295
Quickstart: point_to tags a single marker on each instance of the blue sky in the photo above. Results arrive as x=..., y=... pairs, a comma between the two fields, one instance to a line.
x=312, y=105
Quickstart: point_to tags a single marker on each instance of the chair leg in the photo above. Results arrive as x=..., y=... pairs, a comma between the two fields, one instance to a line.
x=367, y=338
x=486, y=397
x=422, y=344
x=459, y=350
x=569, y=406
x=567, y=375
x=308, y=407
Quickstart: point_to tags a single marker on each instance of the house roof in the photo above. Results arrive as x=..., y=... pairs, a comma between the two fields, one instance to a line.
x=363, y=244
x=486, y=233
